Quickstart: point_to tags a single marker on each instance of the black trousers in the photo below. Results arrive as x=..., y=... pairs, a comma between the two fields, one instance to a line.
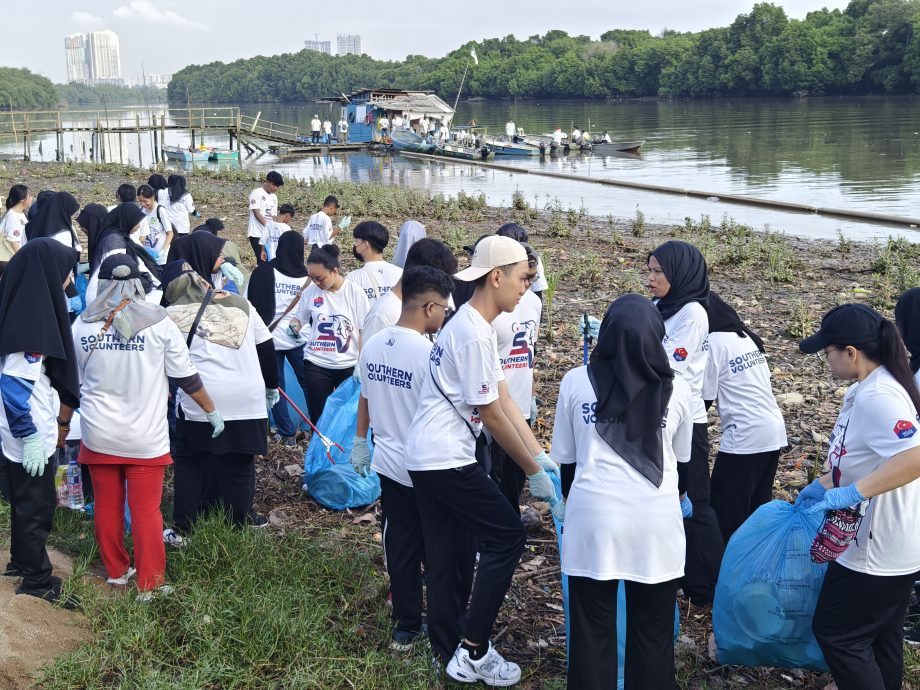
x=740, y=485
x=507, y=475
x=455, y=505
x=204, y=482
x=256, y=249
x=404, y=547
x=321, y=383
x=859, y=623
x=32, y=503
x=649, y=635
x=704, y=538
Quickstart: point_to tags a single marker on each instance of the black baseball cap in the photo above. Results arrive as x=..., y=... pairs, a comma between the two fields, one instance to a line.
x=119, y=267
x=848, y=324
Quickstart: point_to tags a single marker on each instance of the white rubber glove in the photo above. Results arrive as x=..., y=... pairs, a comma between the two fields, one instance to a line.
x=33, y=455
x=547, y=463
x=217, y=421
x=272, y=396
x=541, y=487
x=361, y=456
x=558, y=510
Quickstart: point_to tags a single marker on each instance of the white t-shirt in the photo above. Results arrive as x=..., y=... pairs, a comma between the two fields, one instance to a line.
x=318, y=229
x=286, y=289
x=233, y=378
x=376, y=278
x=13, y=226
x=516, y=332
x=42, y=401
x=270, y=235
x=315, y=125
x=464, y=363
x=540, y=284
x=337, y=321
x=260, y=200
x=178, y=213
x=738, y=376
x=158, y=224
x=384, y=123
x=327, y=127
x=685, y=344
x=876, y=422
x=384, y=313
x=618, y=525
x=124, y=390
x=393, y=368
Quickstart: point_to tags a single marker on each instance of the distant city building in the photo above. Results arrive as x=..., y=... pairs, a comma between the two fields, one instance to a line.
x=319, y=46
x=152, y=81
x=348, y=44
x=93, y=58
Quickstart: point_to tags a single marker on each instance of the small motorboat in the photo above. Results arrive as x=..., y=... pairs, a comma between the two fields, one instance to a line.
x=469, y=153
x=177, y=153
x=407, y=140
x=605, y=148
x=222, y=155
x=502, y=146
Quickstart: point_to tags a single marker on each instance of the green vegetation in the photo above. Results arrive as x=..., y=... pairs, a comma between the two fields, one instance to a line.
x=866, y=48
x=21, y=89
x=79, y=94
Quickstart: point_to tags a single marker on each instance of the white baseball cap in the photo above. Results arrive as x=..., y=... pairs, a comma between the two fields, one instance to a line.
x=492, y=252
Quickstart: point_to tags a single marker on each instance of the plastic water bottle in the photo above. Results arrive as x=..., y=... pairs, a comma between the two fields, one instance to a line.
x=74, y=479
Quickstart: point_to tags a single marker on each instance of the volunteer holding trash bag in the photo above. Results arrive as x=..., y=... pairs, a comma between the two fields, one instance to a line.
x=126, y=348
x=234, y=351
x=738, y=377
x=464, y=392
x=874, y=459
x=679, y=282
x=623, y=423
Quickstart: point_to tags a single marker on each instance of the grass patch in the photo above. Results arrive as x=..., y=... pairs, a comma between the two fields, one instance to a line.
x=252, y=609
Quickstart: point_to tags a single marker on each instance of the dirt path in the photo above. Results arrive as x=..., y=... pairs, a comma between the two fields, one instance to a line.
x=33, y=632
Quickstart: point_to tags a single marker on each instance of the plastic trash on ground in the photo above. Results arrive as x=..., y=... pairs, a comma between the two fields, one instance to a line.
x=767, y=591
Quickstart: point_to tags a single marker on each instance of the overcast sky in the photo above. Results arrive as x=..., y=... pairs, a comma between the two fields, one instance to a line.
x=168, y=35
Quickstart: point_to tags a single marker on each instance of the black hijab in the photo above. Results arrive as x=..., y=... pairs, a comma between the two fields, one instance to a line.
x=685, y=268
x=90, y=219
x=54, y=215
x=200, y=250
x=40, y=199
x=176, y=187
x=116, y=234
x=907, y=318
x=157, y=181
x=724, y=319
x=632, y=380
x=33, y=312
x=289, y=260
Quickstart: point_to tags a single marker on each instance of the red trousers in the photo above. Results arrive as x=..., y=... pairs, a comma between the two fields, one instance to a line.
x=145, y=491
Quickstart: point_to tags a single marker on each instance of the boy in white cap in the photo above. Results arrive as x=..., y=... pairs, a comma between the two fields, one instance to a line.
x=464, y=393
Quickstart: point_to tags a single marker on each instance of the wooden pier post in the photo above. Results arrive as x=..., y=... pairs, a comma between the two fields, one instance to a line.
x=137, y=128
x=162, y=136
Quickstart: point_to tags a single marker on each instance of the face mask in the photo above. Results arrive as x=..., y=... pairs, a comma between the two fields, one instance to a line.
x=354, y=253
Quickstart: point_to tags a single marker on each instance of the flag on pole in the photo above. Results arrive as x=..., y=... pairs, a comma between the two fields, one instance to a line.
x=473, y=55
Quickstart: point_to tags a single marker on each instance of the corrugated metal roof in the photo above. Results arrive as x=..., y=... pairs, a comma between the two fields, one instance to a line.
x=420, y=102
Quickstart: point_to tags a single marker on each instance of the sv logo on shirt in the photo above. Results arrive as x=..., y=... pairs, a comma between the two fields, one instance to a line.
x=337, y=329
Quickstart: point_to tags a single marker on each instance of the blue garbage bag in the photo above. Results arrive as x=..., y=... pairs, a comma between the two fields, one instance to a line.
x=338, y=486
x=292, y=389
x=768, y=589
x=621, y=603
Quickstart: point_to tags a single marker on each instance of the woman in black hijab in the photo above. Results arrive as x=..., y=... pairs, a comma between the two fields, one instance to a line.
x=753, y=431
x=274, y=290
x=679, y=282
x=115, y=238
x=90, y=221
x=55, y=219
x=623, y=423
x=200, y=250
x=36, y=358
x=40, y=199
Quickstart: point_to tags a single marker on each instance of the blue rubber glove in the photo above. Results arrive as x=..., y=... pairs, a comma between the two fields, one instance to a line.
x=686, y=507
x=154, y=254
x=835, y=499
x=558, y=510
x=361, y=456
x=232, y=272
x=33, y=455
x=196, y=213
x=75, y=305
x=533, y=409
x=217, y=421
x=345, y=223
x=594, y=327
x=272, y=396
x=813, y=492
x=547, y=463
x=541, y=487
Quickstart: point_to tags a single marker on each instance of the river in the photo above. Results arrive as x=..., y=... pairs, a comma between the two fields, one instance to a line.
x=853, y=153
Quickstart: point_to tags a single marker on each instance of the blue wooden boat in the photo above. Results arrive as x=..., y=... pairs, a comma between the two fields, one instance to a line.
x=468, y=153
x=503, y=147
x=177, y=153
x=407, y=140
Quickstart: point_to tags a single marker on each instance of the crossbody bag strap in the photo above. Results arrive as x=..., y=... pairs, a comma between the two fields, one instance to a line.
x=198, y=316
x=109, y=320
x=441, y=391
x=289, y=307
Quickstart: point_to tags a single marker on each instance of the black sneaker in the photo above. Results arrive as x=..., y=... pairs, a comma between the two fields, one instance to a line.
x=257, y=520
x=288, y=441
x=11, y=570
x=912, y=636
x=52, y=594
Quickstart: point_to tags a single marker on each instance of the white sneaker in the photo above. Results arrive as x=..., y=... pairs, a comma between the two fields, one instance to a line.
x=148, y=596
x=170, y=538
x=124, y=579
x=491, y=669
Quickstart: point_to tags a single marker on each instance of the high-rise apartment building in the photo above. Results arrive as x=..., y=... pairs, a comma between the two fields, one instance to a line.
x=93, y=58
x=347, y=44
x=319, y=46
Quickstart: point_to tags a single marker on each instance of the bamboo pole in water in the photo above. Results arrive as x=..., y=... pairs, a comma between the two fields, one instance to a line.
x=137, y=128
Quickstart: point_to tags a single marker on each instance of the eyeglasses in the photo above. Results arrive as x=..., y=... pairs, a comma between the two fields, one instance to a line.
x=448, y=310
x=824, y=354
